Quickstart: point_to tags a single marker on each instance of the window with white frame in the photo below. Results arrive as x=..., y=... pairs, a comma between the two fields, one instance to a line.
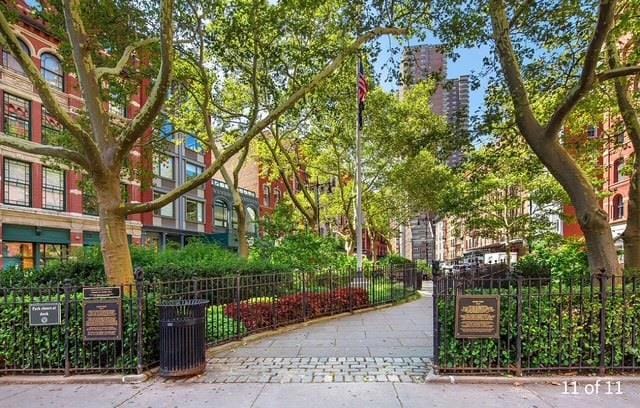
x=163, y=166
x=17, y=183
x=53, y=189
x=194, y=211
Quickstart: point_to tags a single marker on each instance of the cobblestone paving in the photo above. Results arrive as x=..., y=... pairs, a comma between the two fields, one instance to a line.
x=315, y=370
x=394, y=344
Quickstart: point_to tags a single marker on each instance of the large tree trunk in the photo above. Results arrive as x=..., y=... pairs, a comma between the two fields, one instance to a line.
x=592, y=219
x=113, y=233
x=241, y=228
x=631, y=235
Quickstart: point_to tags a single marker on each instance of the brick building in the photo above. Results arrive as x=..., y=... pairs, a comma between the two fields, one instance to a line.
x=43, y=211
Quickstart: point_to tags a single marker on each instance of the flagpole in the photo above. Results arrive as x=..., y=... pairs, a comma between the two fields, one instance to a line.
x=358, y=175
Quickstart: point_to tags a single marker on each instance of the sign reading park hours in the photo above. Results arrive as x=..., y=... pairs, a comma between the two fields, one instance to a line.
x=102, y=319
x=478, y=316
x=44, y=314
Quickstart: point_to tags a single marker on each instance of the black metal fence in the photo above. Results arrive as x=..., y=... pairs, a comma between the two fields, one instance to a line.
x=238, y=306
x=585, y=325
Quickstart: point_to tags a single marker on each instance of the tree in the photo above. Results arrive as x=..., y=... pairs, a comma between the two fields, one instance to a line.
x=504, y=193
x=628, y=109
x=548, y=54
x=101, y=146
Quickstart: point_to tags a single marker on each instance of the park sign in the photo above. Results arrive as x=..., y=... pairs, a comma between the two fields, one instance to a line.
x=102, y=319
x=45, y=314
x=477, y=317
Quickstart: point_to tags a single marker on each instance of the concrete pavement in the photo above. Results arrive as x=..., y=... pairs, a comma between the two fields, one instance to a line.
x=383, y=395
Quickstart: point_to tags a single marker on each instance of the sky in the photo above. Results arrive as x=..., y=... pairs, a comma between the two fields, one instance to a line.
x=469, y=62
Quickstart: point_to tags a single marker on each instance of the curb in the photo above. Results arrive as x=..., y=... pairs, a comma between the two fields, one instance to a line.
x=554, y=380
x=211, y=351
x=78, y=379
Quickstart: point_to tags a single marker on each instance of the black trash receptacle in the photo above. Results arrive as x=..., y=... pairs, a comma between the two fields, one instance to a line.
x=182, y=337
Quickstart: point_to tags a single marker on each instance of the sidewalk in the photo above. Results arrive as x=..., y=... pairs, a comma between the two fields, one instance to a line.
x=370, y=395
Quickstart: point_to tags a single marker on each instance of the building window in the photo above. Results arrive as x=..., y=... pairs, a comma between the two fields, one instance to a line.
x=592, y=133
x=618, y=168
x=19, y=253
x=163, y=167
x=53, y=252
x=191, y=171
x=51, y=69
x=117, y=105
x=17, y=183
x=17, y=116
x=51, y=128
x=10, y=62
x=167, y=211
x=192, y=144
x=266, y=195
x=620, y=138
x=89, y=200
x=277, y=196
x=618, y=207
x=252, y=221
x=53, y=189
x=221, y=214
x=234, y=219
x=195, y=211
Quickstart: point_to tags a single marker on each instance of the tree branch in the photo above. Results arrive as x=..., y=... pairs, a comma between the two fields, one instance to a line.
x=260, y=125
x=57, y=152
x=157, y=96
x=618, y=71
x=85, y=68
x=525, y=117
x=46, y=94
x=126, y=55
x=587, y=79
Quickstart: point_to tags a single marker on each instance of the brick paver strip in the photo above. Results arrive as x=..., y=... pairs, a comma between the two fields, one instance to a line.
x=317, y=370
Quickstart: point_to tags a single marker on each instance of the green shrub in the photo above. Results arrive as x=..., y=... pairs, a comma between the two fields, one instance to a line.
x=559, y=259
x=42, y=348
x=197, y=259
x=558, y=330
x=220, y=327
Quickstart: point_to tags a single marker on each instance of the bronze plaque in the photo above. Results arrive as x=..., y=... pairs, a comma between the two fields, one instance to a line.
x=478, y=316
x=102, y=320
x=104, y=292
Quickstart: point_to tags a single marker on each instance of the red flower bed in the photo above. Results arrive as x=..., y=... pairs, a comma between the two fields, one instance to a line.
x=289, y=309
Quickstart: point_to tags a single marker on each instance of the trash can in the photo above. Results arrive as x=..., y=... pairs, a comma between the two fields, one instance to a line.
x=182, y=337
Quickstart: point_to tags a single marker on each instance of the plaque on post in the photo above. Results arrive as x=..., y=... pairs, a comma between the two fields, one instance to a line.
x=101, y=293
x=477, y=317
x=102, y=319
x=45, y=314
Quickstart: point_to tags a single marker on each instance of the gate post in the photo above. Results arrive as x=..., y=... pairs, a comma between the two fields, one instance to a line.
x=602, y=279
x=139, y=275
x=67, y=359
x=518, y=328
x=436, y=326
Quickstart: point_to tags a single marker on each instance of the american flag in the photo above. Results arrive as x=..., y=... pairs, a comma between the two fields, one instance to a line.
x=363, y=86
x=363, y=89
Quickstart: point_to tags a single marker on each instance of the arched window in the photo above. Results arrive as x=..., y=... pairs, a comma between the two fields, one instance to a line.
x=618, y=207
x=10, y=62
x=221, y=214
x=277, y=195
x=252, y=221
x=234, y=219
x=266, y=195
x=618, y=167
x=51, y=69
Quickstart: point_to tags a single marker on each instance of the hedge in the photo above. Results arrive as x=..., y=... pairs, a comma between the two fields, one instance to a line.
x=260, y=314
x=558, y=330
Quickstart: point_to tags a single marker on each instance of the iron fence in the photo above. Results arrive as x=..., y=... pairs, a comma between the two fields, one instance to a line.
x=582, y=325
x=238, y=306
